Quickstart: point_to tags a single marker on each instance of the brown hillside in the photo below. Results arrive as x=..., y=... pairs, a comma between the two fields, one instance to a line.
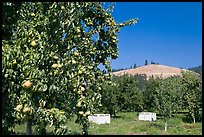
x=154, y=70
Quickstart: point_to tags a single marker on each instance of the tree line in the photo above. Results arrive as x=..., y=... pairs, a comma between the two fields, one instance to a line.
x=197, y=69
x=166, y=97
x=134, y=66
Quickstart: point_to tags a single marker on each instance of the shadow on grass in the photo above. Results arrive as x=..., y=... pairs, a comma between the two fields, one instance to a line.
x=73, y=133
x=156, y=125
x=52, y=133
x=159, y=116
x=115, y=116
x=188, y=119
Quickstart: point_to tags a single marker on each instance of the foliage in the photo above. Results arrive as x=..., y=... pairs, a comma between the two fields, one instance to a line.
x=150, y=94
x=124, y=94
x=169, y=97
x=50, y=59
x=166, y=97
x=9, y=18
x=192, y=89
x=130, y=96
x=146, y=63
x=197, y=69
x=135, y=66
x=109, y=98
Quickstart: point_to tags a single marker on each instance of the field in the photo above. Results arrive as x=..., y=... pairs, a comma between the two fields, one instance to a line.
x=127, y=123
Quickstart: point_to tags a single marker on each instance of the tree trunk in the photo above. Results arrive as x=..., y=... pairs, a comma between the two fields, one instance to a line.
x=43, y=130
x=29, y=127
x=85, y=129
x=165, y=127
x=193, y=119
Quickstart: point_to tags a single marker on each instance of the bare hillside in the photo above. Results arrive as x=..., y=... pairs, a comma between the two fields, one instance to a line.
x=154, y=70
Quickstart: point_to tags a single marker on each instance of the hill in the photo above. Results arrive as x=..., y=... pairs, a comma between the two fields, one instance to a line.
x=197, y=69
x=155, y=70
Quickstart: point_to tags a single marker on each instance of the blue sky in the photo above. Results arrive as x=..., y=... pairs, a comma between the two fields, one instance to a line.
x=168, y=33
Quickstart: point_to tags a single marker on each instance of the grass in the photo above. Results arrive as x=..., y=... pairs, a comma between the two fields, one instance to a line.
x=128, y=123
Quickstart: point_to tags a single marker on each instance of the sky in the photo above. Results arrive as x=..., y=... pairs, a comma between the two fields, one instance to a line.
x=168, y=33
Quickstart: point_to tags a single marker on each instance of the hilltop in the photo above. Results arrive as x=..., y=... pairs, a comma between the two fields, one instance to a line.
x=154, y=70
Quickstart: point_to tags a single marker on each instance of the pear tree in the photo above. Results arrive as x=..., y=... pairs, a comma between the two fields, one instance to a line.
x=168, y=97
x=192, y=98
x=50, y=61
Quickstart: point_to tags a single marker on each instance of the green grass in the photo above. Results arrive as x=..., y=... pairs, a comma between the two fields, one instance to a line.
x=128, y=123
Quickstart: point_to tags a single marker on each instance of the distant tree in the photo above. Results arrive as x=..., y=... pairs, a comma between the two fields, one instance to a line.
x=131, y=67
x=109, y=99
x=197, y=69
x=146, y=62
x=150, y=94
x=130, y=97
x=153, y=62
x=135, y=66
